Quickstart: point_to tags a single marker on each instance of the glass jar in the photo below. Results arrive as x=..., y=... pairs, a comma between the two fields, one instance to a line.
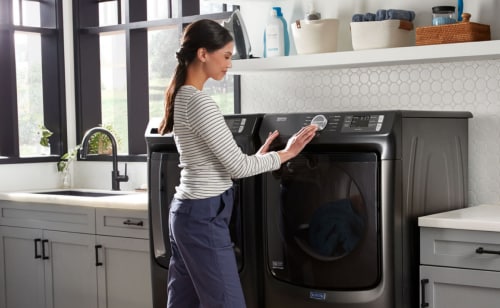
x=443, y=15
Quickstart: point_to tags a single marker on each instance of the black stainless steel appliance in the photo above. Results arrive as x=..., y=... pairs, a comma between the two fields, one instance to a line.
x=341, y=218
x=163, y=174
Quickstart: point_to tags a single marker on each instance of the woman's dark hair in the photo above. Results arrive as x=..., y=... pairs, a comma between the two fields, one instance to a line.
x=203, y=33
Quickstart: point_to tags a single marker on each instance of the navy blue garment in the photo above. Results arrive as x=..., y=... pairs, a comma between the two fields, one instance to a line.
x=203, y=272
x=335, y=228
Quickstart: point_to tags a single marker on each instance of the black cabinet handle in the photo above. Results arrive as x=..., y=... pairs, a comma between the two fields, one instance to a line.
x=37, y=255
x=423, y=282
x=129, y=222
x=97, y=263
x=481, y=250
x=44, y=252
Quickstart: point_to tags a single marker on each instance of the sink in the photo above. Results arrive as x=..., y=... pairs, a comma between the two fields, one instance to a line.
x=79, y=193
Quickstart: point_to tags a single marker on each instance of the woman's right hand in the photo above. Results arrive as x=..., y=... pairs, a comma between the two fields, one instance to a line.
x=297, y=142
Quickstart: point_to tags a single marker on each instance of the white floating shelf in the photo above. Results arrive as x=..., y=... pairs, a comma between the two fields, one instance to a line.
x=485, y=50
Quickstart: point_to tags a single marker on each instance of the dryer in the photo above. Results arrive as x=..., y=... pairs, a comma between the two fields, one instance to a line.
x=340, y=219
x=164, y=175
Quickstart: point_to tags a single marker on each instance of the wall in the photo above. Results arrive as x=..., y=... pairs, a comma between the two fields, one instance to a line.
x=473, y=86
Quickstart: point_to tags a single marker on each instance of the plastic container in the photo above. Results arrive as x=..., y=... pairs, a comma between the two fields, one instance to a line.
x=276, y=41
x=315, y=36
x=381, y=34
x=443, y=15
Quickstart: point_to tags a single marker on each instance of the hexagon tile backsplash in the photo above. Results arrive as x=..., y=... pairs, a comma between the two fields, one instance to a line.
x=467, y=86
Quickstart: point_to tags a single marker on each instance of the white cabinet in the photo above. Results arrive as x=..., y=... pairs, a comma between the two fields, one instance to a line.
x=21, y=268
x=123, y=268
x=459, y=268
x=51, y=256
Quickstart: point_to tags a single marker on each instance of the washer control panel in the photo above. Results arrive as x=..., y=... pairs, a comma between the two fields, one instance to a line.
x=346, y=123
x=362, y=123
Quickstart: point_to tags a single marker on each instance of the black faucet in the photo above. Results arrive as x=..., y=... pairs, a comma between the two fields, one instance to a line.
x=116, y=178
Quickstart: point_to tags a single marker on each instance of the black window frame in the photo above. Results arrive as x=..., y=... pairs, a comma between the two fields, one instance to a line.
x=87, y=64
x=53, y=81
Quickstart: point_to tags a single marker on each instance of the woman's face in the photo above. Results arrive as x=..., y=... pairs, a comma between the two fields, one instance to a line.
x=219, y=61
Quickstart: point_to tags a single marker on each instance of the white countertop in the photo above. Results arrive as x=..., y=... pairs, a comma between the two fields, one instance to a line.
x=130, y=200
x=477, y=218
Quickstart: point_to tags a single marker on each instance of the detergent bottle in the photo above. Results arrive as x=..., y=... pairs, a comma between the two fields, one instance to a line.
x=276, y=41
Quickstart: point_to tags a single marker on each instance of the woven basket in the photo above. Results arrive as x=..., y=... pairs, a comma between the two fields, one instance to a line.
x=464, y=31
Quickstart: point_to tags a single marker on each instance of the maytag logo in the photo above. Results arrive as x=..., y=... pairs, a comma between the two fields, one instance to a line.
x=281, y=119
x=320, y=296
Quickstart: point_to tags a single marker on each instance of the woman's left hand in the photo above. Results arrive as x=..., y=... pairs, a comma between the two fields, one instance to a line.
x=270, y=138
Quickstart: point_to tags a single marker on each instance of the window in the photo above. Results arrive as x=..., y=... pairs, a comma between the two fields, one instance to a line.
x=31, y=80
x=124, y=61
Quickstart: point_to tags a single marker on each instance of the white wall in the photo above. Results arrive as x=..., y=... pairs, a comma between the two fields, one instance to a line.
x=473, y=86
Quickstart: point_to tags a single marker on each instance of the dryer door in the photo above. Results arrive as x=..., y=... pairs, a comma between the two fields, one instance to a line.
x=322, y=221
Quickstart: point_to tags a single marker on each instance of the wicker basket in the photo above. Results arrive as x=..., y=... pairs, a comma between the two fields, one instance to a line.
x=464, y=31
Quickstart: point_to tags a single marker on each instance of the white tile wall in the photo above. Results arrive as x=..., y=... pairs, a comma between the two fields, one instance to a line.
x=470, y=86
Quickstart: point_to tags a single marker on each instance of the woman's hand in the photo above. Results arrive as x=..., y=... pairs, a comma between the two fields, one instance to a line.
x=297, y=142
x=270, y=138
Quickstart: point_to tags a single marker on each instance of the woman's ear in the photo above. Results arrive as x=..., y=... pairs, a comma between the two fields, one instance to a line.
x=202, y=54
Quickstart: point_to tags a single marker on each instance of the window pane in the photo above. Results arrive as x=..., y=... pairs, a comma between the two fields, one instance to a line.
x=162, y=45
x=114, y=87
x=158, y=9
x=222, y=92
x=108, y=13
x=31, y=13
x=29, y=91
x=208, y=7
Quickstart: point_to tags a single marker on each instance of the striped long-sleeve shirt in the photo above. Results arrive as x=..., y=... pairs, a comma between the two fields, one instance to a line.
x=209, y=155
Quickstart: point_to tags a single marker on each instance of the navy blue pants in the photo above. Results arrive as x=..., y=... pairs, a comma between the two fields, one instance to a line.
x=203, y=271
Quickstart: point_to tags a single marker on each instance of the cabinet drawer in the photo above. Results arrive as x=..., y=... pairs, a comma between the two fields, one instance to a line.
x=120, y=222
x=458, y=288
x=48, y=216
x=458, y=248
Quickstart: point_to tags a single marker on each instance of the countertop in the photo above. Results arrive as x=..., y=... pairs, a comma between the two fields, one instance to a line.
x=130, y=200
x=476, y=218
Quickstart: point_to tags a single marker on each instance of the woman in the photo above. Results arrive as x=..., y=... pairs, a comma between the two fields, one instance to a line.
x=203, y=270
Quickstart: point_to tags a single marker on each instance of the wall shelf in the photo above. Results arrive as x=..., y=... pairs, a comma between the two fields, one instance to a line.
x=485, y=50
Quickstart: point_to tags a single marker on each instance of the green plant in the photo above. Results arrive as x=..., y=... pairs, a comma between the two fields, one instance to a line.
x=67, y=158
x=45, y=133
x=100, y=143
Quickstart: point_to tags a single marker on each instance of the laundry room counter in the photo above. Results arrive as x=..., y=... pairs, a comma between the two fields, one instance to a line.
x=484, y=217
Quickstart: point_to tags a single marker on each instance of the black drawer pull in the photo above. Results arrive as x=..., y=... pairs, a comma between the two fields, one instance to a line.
x=423, y=282
x=44, y=253
x=97, y=262
x=482, y=250
x=37, y=254
x=129, y=222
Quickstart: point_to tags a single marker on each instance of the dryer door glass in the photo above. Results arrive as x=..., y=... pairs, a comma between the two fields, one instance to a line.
x=322, y=221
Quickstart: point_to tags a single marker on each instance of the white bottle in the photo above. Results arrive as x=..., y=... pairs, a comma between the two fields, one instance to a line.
x=274, y=37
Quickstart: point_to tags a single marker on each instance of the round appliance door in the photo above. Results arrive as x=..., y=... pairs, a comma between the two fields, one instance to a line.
x=322, y=221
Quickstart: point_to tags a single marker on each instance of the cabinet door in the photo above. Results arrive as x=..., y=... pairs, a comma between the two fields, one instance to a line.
x=124, y=278
x=70, y=270
x=21, y=268
x=444, y=287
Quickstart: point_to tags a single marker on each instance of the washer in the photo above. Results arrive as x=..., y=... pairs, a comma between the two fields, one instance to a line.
x=340, y=219
x=164, y=175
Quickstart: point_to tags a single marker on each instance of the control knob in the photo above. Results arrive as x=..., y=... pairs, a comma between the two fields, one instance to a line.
x=320, y=121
